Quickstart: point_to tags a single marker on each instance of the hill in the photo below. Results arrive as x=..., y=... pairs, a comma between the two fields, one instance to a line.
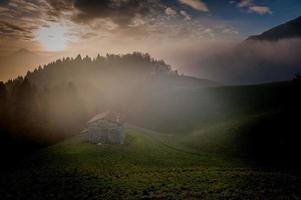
x=291, y=29
x=260, y=120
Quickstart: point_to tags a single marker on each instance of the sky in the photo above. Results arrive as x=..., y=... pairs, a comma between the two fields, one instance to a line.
x=159, y=27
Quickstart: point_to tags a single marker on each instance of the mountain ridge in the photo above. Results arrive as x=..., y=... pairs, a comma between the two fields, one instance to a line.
x=19, y=62
x=287, y=30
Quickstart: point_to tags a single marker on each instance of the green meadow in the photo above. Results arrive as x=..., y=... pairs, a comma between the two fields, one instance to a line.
x=149, y=165
x=250, y=152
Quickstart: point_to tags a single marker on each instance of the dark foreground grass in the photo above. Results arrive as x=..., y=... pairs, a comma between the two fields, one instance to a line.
x=147, y=166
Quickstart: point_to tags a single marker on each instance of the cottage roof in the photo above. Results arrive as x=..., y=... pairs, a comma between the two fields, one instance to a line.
x=110, y=116
x=99, y=116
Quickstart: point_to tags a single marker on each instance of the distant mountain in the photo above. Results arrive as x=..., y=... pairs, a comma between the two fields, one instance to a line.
x=24, y=52
x=291, y=29
x=19, y=62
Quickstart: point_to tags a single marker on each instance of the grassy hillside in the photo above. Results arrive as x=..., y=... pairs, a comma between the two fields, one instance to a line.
x=146, y=167
x=239, y=142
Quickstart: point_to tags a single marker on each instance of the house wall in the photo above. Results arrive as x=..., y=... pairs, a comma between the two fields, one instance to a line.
x=106, y=133
x=116, y=135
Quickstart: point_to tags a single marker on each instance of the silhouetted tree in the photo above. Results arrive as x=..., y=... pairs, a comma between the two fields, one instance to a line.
x=78, y=58
x=3, y=92
x=3, y=102
x=297, y=78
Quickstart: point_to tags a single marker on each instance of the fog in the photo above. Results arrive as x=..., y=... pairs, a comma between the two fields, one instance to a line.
x=247, y=62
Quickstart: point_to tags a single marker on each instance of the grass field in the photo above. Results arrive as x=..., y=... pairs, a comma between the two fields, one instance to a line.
x=150, y=165
x=217, y=143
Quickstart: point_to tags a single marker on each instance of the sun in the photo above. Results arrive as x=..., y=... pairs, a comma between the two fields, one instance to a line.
x=52, y=38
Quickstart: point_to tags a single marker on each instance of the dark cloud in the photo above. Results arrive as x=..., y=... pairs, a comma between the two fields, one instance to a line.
x=121, y=12
x=88, y=36
x=58, y=7
x=19, y=18
x=4, y=2
x=61, y=5
x=8, y=28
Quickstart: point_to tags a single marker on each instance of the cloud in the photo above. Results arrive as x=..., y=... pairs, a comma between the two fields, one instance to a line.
x=121, y=12
x=88, y=36
x=19, y=19
x=185, y=15
x=10, y=30
x=252, y=7
x=4, y=2
x=170, y=12
x=260, y=10
x=230, y=31
x=210, y=32
x=244, y=3
x=120, y=25
x=195, y=4
x=58, y=7
x=12, y=27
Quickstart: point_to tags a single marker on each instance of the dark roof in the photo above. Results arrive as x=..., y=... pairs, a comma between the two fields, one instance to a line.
x=99, y=116
x=108, y=115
